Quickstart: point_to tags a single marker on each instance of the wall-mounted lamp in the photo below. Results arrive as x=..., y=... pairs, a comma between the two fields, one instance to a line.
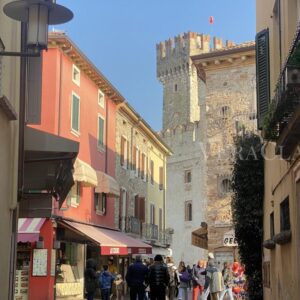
x=38, y=14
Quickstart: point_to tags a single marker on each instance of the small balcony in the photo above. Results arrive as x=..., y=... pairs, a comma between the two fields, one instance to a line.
x=150, y=232
x=282, y=123
x=165, y=238
x=134, y=226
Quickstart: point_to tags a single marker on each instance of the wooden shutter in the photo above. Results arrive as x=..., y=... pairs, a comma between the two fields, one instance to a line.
x=142, y=209
x=127, y=156
x=143, y=158
x=134, y=158
x=262, y=76
x=122, y=158
x=152, y=171
x=100, y=132
x=136, y=206
x=161, y=178
x=75, y=113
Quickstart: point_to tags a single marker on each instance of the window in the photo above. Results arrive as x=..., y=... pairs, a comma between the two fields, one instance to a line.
x=152, y=214
x=124, y=152
x=225, y=186
x=137, y=173
x=188, y=176
x=134, y=158
x=100, y=132
x=139, y=208
x=76, y=75
x=100, y=203
x=100, y=98
x=73, y=197
x=188, y=211
x=160, y=224
x=143, y=163
x=272, y=228
x=123, y=200
x=175, y=87
x=161, y=178
x=285, y=215
x=152, y=171
x=75, y=113
x=225, y=112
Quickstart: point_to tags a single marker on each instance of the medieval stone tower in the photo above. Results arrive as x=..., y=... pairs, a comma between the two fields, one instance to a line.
x=208, y=99
x=184, y=131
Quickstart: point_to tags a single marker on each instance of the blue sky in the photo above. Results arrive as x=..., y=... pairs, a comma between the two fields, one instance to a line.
x=120, y=38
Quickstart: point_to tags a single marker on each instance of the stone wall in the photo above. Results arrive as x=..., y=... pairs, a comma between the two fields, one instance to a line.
x=231, y=110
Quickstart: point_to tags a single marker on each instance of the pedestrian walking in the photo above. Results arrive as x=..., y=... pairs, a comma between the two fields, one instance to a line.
x=158, y=279
x=184, y=278
x=198, y=279
x=174, y=280
x=216, y=284
x=228, y=281
x=91, y=278
x=105, y=282
x=137, y=279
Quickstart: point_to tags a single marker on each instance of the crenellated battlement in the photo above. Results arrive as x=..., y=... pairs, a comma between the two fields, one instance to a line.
x=185, y=43
x=173, y=55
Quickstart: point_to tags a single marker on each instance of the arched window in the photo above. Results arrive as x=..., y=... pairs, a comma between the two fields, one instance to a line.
x=225, y=112
x=226, y=186
x=188, y=211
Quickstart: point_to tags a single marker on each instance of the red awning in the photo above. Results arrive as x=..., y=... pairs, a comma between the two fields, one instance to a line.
x=29, y=229
x=112, y=242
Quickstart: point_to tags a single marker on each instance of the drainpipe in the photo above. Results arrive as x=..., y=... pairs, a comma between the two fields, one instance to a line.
x=60, y=92
x=106, y=136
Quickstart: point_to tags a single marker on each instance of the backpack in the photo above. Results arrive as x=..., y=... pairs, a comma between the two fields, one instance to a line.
x=216, y=281
x=185, y=276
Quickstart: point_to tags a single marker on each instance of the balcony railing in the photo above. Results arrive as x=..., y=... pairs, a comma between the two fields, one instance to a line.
x=165, y=238
x=285, y=105
x=150, y=231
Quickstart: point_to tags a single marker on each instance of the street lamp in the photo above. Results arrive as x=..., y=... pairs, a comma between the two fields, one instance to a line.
x=38, y=14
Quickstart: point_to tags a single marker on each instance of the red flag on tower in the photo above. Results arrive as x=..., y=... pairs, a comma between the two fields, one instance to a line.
x=211, y=20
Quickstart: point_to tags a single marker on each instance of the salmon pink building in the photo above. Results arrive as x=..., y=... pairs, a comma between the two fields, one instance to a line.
x=80, y=104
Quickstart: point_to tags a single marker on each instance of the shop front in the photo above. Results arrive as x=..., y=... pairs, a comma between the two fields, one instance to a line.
x=35, y=262
x=79, y=242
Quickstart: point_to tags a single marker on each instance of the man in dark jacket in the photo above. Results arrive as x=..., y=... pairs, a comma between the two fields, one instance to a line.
x=90, y=277
x=158, y=279
x=136, y=277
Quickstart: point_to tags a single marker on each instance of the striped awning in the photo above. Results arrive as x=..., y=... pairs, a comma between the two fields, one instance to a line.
x=107, y=184
x=29, y=229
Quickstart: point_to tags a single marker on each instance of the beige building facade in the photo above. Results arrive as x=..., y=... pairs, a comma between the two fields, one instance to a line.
x=9, y=99
x=141, y=174
x=209, y=98
x=278, y=102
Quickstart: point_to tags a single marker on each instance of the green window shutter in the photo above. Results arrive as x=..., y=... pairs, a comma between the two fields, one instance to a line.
x=75, y=113
x=262, y=76
x=100, y=132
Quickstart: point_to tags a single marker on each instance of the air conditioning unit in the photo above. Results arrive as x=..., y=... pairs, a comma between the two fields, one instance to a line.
x=292, y=75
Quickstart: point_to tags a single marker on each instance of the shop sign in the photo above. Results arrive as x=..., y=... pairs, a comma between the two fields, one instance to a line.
x=114, y=250
x=142, y=251
x=229, y=239
x=129, y=250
